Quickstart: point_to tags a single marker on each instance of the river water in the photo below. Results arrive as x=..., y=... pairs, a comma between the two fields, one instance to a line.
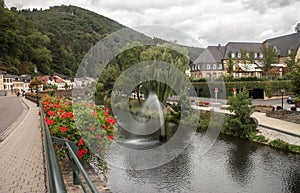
x=232, y=165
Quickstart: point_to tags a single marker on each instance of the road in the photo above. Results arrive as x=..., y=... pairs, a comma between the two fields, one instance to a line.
x=273, y=102
x=10, y=109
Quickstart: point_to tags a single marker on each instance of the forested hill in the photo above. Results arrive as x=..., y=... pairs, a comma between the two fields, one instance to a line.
x=56, y=39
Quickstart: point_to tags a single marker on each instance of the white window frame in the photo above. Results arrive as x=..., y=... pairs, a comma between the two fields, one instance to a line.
x=208, y=66
x=214, y=66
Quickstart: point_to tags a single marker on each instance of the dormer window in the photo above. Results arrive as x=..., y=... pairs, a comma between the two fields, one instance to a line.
x=214, y=66
x=232, y=55
x=255, y=55
x=208, y=66
x=239, y=54
x=261, y=55
x=220, y=66
x=247, y=55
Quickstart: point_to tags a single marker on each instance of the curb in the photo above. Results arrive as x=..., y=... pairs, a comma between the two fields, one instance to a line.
x=279, y=130
x=16, y=123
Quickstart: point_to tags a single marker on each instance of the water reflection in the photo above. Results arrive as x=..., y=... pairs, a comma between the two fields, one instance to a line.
x=239, y=163
x=231, y=166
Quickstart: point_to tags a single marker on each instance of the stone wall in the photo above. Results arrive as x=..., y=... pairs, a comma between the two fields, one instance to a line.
x=290, y=116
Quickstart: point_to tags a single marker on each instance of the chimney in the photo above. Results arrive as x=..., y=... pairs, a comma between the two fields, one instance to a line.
x=219, y=47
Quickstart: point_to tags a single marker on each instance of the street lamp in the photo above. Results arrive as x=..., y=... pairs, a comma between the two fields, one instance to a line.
x=282, y=91
x=37, y=88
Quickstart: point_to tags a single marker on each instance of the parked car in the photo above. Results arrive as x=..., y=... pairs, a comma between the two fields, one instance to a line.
x=290, y=100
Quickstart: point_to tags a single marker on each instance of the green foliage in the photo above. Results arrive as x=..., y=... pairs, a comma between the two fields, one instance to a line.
x=280, y=144
x=240, y=124
x=260, y=138
x=296, y=79
x=271, y=87
x=269, y=57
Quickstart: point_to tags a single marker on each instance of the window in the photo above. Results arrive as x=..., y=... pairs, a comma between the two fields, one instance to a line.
x=255, y=55
x=247, y=55
x=208, y=66
x=232, y=55
x=214, y=75
x=220, y=66
x=214, y=66
x=198, y=67
x=239, y=55
x=261, y=55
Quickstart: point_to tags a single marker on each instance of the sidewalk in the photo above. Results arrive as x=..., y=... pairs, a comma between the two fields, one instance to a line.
x=277, y=124
x=22, y=162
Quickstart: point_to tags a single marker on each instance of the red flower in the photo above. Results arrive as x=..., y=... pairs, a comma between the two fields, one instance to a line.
x=80, y=142
x=110, y=120
x=84, y=151
x=51, y=113
x=63, y=129
x=106, y=114
x=92, y=128
x=49, y=121
x=79, y=153
x=98, y=136
x=71, y=115
x=105, y=127
x=64, y=116
x=67, y=138
x=106, y=109
x=61, y=111
x=57, y=106
x=110, y=137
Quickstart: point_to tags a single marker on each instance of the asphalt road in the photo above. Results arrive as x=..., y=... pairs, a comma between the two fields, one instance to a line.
x=10, y=109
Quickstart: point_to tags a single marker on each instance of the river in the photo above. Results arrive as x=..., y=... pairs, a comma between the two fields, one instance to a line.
x=232, y=165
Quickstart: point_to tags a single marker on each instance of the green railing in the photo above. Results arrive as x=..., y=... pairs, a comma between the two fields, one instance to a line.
x=55, y=179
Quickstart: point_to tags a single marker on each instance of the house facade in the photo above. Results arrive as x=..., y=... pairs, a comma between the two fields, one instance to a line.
x=209, y=64
x=245, y=59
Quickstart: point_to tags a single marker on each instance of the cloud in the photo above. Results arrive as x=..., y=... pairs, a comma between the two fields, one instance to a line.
x=208, y=22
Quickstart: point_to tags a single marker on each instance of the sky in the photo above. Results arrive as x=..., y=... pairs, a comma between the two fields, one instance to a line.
x=192, y=22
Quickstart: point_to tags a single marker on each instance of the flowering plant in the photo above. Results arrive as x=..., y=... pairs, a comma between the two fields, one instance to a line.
x=94, y=130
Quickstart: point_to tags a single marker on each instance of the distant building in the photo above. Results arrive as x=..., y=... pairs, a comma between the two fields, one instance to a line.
x=209, y=64
x=246, y=58
x=284, y=46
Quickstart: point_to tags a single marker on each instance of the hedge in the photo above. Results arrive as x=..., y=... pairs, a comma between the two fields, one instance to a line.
x=272, y=88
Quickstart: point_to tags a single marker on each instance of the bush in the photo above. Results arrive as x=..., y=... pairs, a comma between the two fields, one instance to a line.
x=279, y=144
x=260, y=138
x=293, y=109
x=279, y=108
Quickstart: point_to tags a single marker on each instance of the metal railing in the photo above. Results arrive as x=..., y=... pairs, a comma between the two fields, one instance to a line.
x=55, y=179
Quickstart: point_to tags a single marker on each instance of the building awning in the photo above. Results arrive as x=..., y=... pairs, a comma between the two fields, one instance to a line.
x=249, y=68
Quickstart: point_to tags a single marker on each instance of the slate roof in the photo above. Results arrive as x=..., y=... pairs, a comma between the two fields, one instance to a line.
x=212, y=54
x=285, y=43
x=235, y=47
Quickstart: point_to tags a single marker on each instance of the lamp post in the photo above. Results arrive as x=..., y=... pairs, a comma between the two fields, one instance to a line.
x=37, y=88
x=282, y=91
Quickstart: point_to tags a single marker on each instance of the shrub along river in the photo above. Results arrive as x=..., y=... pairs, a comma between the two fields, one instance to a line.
x=232, y=165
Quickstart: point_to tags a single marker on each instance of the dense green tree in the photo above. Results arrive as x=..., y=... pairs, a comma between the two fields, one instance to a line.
x=230, y=64
x=171, y=54
x=240, y=123
x=269, y=58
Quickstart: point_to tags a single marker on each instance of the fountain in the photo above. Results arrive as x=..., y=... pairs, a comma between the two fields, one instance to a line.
x=154, y=107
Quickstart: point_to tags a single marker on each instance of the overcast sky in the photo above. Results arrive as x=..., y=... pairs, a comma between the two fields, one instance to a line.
x=207, y=22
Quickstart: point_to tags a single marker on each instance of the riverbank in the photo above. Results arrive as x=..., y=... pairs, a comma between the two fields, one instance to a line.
x=276, y=133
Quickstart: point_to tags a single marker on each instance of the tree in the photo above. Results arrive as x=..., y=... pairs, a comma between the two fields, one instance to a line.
x=269, y=58
x=230, y=64
x=296, y=78
x=292, y=61
x=240, y=124
x=168, y=53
